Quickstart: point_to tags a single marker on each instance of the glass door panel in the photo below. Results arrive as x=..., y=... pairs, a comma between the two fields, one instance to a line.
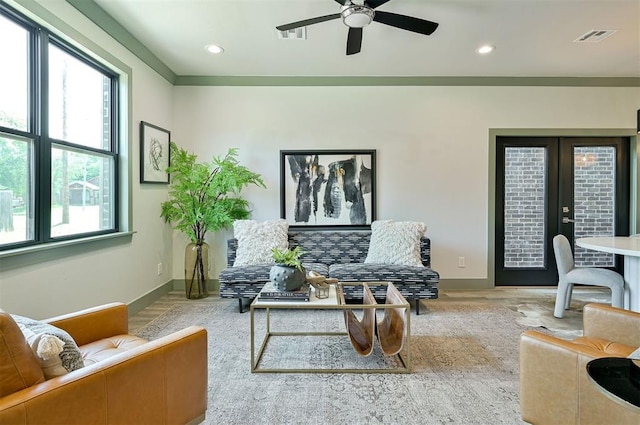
x=525, y=172
x=594, y=190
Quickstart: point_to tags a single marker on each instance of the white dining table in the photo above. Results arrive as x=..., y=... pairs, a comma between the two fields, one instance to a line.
x=629, y=246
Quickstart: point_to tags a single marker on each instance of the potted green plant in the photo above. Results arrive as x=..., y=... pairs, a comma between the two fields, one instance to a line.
x=287, y=274
x=204, y=197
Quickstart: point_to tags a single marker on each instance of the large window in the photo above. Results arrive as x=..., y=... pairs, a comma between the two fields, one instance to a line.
x=58, y=138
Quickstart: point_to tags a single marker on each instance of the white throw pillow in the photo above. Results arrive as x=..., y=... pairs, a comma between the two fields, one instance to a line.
x=395, y=243
x=255, y=240
x=56, y=357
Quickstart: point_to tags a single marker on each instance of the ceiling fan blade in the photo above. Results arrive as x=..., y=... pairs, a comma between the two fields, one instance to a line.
x=404, y=22
x=307, y=22
x=354, y=41
x=375, y=3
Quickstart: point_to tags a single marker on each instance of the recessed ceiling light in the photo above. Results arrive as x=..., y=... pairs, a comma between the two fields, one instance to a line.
x=212, y=48
x=483, y=50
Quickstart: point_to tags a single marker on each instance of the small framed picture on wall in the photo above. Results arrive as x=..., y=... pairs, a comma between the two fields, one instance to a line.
x=154, y=153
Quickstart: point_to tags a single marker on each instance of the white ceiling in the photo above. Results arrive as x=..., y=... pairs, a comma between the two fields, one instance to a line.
x=533, y=38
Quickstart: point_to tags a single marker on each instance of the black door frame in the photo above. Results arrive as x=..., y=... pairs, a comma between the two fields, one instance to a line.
x=560, y=165
x=506, y=277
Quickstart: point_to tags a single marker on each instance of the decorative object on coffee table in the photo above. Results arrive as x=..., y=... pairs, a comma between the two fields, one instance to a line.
x=320, y=283
x=204, y=197
x=287, y=274
x=270, y=292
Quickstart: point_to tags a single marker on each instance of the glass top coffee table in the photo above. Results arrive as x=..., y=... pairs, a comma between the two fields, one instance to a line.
x=263, y=323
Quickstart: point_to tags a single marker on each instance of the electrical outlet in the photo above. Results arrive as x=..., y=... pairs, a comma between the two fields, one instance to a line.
x=461, y=262
x=159, y=269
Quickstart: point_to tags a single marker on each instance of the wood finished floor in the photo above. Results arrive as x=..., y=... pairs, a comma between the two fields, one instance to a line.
x=512, y=297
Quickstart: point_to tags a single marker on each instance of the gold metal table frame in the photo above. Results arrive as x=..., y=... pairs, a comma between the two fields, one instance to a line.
x=331, y=303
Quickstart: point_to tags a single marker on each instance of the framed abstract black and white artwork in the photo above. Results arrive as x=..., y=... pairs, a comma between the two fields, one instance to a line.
x=328, y=188
x=154, y=153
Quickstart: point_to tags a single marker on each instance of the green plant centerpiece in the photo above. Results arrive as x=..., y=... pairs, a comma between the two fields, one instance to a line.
x=288, y=273
x=204, y=197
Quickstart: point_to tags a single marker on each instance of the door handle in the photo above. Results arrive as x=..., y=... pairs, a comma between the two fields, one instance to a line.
x=567, y=220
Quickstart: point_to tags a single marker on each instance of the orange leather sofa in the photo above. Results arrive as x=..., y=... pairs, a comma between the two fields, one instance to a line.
x=554, y=385
x=125, y=380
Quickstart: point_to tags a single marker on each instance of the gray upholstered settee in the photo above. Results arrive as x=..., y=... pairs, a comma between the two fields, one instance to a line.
x=336, y=254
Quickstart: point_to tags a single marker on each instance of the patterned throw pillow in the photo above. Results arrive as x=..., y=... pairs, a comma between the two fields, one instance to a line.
x=70, y=356
x=255, y=240
x=47, y=349
x=395, y=243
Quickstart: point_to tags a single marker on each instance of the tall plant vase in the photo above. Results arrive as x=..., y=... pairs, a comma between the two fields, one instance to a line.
x=196, y=270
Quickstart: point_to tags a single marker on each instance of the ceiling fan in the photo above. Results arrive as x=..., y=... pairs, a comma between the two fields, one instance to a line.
x=357, y=14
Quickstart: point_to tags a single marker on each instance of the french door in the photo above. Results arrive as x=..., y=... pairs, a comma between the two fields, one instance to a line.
x=577, y=186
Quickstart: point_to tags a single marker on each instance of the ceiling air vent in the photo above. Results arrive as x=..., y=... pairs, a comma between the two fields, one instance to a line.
x=594, y=36
x=293, y=34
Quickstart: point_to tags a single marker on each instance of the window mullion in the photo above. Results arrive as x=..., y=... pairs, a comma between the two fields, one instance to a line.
x=43, y=143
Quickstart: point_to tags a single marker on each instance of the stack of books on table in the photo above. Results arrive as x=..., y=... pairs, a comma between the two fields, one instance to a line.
x=271, y=293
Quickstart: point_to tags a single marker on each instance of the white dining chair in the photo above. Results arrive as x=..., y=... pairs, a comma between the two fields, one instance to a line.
x=568, y=275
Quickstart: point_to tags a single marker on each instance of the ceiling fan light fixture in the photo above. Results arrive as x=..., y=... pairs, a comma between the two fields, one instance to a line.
x=357, y=16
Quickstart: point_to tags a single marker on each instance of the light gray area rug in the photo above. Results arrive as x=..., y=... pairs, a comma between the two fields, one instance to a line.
x=464, y=368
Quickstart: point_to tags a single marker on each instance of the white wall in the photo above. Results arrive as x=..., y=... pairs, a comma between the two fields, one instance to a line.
x=46, y=284
x=432, y=145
